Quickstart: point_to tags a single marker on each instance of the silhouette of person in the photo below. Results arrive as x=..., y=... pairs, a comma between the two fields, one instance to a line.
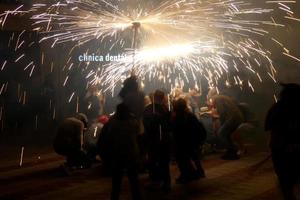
x=231, y=118
x=69, y=141
x=283, y=123
x=119, y=146
x=189, y=134
x=157, y=138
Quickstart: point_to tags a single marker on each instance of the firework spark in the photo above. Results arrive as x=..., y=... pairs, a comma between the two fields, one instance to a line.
x=178, y=41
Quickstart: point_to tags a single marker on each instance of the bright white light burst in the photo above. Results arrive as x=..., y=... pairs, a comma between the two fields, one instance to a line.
x=178, y=41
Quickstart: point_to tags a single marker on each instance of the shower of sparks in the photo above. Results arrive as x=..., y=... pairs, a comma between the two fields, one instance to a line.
x=179, y=41
x=189, y=61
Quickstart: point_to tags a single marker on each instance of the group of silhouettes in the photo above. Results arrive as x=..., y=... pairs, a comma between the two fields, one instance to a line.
x=146, y=135
x=143, y=135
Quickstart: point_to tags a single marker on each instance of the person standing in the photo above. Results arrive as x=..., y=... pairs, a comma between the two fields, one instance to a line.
x=189, y=135
x=283, y=123
x=133, y=97
x=118, y=141
x=157, y=138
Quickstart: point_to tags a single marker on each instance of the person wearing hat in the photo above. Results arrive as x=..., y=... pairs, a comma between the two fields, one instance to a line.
x=69, y=141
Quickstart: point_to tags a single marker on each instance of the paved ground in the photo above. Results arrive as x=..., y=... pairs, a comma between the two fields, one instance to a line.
x=40, y=178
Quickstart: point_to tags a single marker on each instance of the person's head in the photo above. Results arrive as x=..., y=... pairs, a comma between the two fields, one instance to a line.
x=82, y=117
x=159, y=97
x=147, y=100
x=129, y=85
x=290, y=92
x=180, y=106
x=122, y=112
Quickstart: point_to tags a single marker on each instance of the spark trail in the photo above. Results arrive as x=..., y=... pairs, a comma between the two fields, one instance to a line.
x=179, y=41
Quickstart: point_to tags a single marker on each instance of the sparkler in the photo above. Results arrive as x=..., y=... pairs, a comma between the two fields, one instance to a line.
x=135, y=26
x=179, y=41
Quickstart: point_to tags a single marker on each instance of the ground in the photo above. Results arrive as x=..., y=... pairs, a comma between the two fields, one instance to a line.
x=39, y=177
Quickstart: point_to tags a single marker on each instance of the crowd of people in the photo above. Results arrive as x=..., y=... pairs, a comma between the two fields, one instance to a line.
x=147, y=132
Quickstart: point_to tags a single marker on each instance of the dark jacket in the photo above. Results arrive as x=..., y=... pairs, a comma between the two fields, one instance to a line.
x=156, y=121
x=283, y=121
x=189, y=133
x=68, y=137
x=118, y=144
x=228, y=110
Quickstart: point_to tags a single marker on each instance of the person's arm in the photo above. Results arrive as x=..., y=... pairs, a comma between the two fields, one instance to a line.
x=214, y=113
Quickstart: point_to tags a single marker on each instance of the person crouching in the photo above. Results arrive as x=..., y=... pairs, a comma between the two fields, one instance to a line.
x=69, y=141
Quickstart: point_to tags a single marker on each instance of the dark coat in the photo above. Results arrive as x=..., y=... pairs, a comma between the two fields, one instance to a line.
x=156, y=121
x=68, y=137
x=135, y=102
x=283, y=122
x=117, y=144
x=189, y=133
x=228, y=110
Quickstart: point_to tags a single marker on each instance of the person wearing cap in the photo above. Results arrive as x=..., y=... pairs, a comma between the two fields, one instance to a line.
x=69, y=141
